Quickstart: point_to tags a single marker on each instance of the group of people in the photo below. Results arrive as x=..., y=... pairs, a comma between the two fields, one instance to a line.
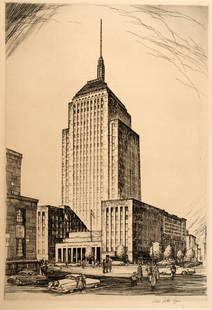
x=152, y=273
x=93, y=262
x=107, y=265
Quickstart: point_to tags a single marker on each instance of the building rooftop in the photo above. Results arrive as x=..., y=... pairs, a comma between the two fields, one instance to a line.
x=96, y=85
x=12, y=152
x=143, y=204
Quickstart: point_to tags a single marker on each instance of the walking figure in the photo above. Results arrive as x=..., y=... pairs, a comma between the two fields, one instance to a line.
x=139, y=273
x=134, y=279
x=109, y=265
x=81, y=283
x=104, y=266
x=153, y=275
x=173, y=271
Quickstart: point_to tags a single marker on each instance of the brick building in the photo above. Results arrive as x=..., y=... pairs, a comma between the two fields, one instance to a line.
x=20, y=218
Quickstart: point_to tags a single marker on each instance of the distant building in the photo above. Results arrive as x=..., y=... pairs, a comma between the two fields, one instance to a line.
x=53, y=225
x=20, y=219
x=135, y=225
x=191, y=243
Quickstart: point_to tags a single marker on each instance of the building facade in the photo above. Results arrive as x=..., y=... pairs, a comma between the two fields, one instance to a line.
x=53, y=225
x=136, y=225
x=100, y=151
x=20, y=218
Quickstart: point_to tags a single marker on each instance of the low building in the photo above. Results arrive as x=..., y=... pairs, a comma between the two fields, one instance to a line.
x=191, y=243
x=136, y=225
x=78, y=245
x=20, y=219
x=53, y=225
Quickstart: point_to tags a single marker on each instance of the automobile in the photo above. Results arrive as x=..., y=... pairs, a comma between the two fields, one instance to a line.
x=166, y=269
x=69, y=284
x=55, y=272
x=28, y=277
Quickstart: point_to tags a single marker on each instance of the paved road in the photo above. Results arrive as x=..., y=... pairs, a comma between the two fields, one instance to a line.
x=187, y=285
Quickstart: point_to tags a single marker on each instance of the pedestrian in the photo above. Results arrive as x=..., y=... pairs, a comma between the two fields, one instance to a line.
x=83, y=263
x=93, y=262
x=80, y=283
x=140, y=272
x=109, y=264
x=134, y=279
x=173, y=271
x=152, y=275
x=104, y=266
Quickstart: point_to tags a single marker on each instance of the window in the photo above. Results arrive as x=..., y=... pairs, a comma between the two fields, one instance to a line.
x=19, y=216
x=19, y=248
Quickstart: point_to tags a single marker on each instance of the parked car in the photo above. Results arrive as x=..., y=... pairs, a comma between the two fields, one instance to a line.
x=166, y=269
x=69, y=284
x=28, y=277
x=55, y=272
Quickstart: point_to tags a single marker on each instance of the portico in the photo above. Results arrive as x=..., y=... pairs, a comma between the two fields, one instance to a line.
x=78, y=246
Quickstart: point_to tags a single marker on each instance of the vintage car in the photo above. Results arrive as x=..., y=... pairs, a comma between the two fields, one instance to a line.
x=28, y=277
x=166, y=269
x=69, y=284
x=55, y=272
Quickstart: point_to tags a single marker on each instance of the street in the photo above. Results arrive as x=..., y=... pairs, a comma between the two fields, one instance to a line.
x=182, y=285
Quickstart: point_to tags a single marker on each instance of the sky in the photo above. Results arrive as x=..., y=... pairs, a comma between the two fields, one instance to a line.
x=156, y=64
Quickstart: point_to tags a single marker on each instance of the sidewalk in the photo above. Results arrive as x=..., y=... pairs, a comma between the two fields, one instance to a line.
x=117, y=271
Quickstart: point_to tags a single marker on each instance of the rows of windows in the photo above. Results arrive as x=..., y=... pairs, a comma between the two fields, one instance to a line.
x=116, y=227
x=86, y=118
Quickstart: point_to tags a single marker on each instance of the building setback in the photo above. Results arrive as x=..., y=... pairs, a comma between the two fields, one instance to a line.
x=20, y=218
x=100, y=151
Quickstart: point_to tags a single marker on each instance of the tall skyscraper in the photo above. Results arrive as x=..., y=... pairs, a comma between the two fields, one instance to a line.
x=100, y=151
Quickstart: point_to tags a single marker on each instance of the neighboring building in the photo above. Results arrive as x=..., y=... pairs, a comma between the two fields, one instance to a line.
x=100, y=151
x=53, y=225
x=173, y=232
x=191, y=243
x=20, y=220
x=135, y=225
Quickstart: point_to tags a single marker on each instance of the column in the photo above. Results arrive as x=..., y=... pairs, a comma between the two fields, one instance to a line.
x=81, y=253
x=95, y=253
x=56, y=255
x=109, y=245
x=76, y=255
x=66, y=254
x=119, y=226
x=124, y=210
x=61, y=255
x=114, y=229
x=71, y=255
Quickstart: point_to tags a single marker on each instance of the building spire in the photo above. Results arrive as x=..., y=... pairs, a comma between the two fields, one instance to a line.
x=101, y=66
x=100, y=37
